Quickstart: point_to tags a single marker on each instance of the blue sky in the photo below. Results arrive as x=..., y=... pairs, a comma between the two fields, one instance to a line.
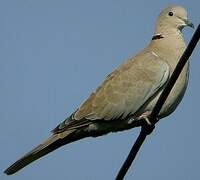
x=53, y=54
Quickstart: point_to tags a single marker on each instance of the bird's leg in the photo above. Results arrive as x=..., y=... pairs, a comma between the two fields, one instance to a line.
x=145, y=116
x=147, y=127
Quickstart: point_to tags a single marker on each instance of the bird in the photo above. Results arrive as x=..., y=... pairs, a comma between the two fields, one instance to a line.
x=129, y=93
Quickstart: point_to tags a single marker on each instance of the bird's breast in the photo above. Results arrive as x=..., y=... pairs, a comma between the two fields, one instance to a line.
x=175, y=95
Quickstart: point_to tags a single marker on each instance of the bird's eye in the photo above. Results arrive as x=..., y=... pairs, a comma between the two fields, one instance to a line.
x=170, y=13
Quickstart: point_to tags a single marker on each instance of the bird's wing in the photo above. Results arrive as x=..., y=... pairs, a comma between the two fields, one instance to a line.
x=123, y=92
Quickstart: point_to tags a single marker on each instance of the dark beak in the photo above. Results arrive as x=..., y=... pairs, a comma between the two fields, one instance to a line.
x=189, y=23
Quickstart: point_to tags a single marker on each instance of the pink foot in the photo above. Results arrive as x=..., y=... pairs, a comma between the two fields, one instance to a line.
x=145, y=116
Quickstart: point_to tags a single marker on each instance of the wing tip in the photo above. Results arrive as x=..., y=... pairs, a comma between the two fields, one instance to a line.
x=10, y=170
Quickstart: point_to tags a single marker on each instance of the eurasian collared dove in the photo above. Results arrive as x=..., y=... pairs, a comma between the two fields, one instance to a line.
x=129, y=93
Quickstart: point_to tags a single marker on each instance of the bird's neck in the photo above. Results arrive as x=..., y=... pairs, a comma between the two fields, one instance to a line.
x=168, y=42
x=169, y=39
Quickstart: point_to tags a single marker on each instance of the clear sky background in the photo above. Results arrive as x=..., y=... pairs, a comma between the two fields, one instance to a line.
x=53, y=54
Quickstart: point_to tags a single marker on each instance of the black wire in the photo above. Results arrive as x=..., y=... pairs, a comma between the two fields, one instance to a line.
x=147, y=129
x=131, y=156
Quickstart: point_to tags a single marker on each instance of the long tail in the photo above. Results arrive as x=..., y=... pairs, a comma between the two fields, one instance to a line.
x=52, y=143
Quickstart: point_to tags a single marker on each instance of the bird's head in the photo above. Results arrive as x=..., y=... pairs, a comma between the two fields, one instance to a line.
x=173, y=17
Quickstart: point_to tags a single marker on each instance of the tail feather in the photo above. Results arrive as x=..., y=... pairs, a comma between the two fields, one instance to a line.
x=52, y=143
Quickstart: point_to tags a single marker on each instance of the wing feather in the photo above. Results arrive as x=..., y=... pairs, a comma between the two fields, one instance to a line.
x=126, y=89
x=123, y=92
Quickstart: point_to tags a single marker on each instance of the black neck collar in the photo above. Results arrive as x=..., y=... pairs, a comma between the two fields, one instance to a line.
x=157, y=36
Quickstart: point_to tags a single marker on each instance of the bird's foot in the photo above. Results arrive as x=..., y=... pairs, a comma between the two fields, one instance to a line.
x=147, y=126
x=145, y=117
